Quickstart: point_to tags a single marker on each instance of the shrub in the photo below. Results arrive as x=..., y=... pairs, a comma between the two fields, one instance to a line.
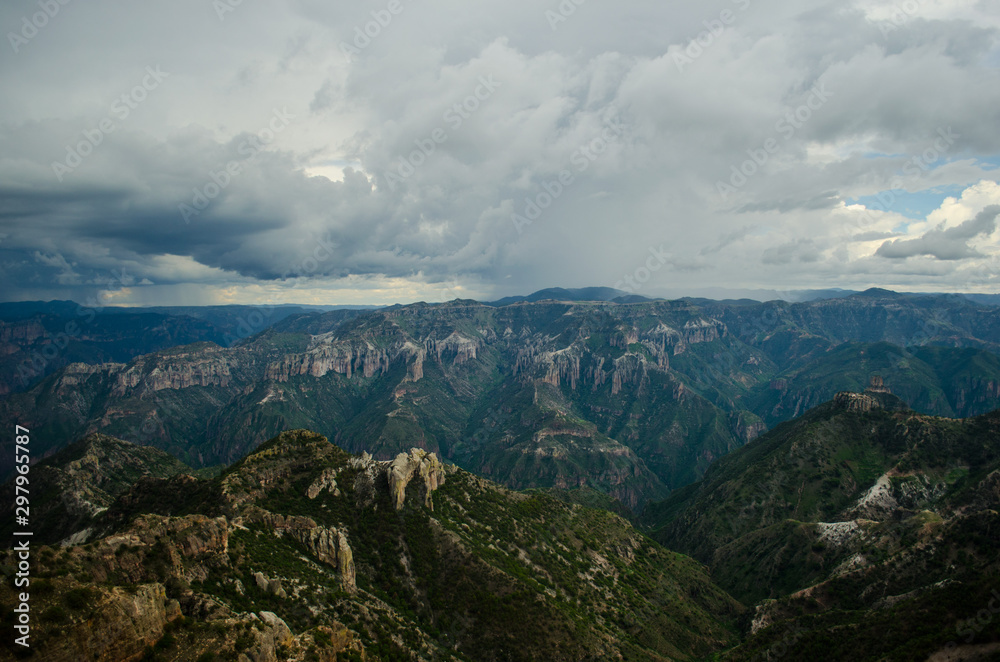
x=166, y=641
x=79, y=598
x=55, y=614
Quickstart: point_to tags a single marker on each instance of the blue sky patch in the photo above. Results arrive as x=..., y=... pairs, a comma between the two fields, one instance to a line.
x=916, y=205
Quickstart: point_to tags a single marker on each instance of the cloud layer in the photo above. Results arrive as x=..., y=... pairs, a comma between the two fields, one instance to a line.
x=385, y=152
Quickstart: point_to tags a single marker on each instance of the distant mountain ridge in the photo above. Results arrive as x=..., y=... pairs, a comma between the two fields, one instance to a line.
x=629, y=399
x=38, y=338
x=573, y=294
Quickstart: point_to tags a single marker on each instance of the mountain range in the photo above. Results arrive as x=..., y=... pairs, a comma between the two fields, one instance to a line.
x=631, y=400
x=37, y=338
x=861, y=530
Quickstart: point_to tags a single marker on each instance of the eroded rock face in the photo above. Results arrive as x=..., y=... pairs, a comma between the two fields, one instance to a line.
x=270, y=585
x=455, y=345
x=414, y=362
x=407, y=466
x=123, y=625
x=702, y=330
x=345, y=563
x=19, y=333
x=175, y=371
x=281, y=632
x=353, y=358
x=345, y=359
x=856, y=402
x=76, y=374
x=746, y=426
x=327, y=544
x=326, y=481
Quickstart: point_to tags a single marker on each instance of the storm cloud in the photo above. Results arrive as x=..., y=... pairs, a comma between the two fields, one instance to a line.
x=381, y=152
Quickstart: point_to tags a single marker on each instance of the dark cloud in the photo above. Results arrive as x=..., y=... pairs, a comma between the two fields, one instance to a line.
x=800, y=250
x=824, y=200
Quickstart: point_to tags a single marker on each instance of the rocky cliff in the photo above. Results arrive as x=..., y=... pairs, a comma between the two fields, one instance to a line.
x=328, y=545
x=417, y=464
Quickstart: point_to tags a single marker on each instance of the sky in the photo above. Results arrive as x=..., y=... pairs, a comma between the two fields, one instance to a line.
x=303, y=151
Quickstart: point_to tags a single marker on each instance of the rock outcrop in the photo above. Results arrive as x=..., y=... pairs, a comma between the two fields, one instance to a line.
x=406, y=467
x=327, y=544
x=174, y=371
x=14, y=334
x=270, y=585
x=702, y=330
x=858, y=403
x=326, y=481
x=343, y=358
x=124, y=624
x=459, y=347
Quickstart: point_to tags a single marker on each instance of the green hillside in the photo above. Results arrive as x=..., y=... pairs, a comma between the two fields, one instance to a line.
x=858, y=515
x=303, y=550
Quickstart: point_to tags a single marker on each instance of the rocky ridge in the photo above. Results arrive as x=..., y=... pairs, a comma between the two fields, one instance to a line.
x=861, y=513
x=303, y=552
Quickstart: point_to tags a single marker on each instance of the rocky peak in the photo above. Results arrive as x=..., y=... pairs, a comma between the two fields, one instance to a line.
x=406, y=467
x=876, y=396
x=877, y=385
x=858, y=403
